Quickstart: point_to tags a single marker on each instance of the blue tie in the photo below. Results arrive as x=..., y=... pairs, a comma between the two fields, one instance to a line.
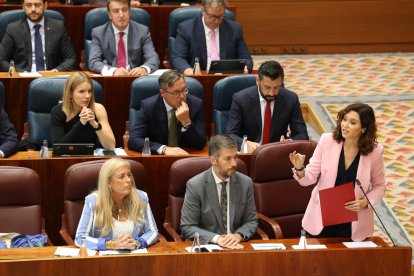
x=40, y=63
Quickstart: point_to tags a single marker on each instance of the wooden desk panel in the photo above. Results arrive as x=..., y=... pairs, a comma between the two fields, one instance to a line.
x=52, y=170
x=116, y=100
x=171, y=259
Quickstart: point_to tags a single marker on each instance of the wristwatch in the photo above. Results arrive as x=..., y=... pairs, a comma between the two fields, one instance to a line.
x=99, y=127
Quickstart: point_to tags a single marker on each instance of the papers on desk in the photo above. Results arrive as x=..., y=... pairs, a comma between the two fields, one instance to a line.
x=363, y=244
x=71, y=252
x=115, y=152
x=268, y=246
x=30, y=74
x=159, y=72
x=310, y=246
x=207, y=248
x=118, y=252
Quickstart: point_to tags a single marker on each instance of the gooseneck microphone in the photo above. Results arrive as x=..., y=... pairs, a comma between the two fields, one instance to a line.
x=369, y=202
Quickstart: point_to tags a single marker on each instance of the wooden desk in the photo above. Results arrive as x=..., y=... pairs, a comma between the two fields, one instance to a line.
x=52, y=170
x=171, y=259
x=116, y=99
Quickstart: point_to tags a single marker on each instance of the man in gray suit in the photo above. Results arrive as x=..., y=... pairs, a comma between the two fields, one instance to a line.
x=37, y=42
x=219, y=202
x=122, y=47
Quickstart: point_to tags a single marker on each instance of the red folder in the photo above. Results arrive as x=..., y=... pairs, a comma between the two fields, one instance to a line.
x=333, y=204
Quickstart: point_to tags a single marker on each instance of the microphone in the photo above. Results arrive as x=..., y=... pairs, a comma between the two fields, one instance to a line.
x=369, y=202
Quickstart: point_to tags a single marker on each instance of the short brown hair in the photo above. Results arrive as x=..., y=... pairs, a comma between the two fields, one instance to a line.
x=122, y=1
x=218, y=142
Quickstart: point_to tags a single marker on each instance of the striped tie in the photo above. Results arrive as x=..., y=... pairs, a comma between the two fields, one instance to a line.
x=223, y=204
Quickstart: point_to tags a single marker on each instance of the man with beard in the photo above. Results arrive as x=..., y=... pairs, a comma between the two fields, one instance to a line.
x=173, y=120
x=219, y=203
x=37, y=42
x=265, y=112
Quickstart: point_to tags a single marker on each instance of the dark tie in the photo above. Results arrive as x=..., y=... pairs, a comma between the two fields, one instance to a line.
x=121, y=51
x=172, y=129
x=266, y=125
x=223, y=204
x=40, y=62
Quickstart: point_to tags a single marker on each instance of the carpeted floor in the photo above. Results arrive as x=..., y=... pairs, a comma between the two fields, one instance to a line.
x=386, y=82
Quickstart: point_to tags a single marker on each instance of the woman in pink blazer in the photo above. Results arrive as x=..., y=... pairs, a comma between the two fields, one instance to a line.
x=351, y=152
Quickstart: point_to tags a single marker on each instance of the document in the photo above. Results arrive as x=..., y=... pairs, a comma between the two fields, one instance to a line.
x=71, y=252
x=118, y=252
x=268, y=246
x=30, y=74
x=310, y=246
x=207, y=248
x=363, y=244
x=333, y=204
x=115, y=152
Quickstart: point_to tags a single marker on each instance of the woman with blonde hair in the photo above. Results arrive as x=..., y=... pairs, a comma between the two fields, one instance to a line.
x=78, y=118
x=117, y=215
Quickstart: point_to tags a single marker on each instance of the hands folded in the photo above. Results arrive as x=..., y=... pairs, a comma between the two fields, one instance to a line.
x=231, y=241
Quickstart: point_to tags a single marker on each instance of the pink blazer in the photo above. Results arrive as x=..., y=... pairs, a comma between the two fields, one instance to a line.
x=324, y=163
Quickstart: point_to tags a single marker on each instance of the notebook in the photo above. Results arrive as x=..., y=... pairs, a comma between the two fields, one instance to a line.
x=227, y=66
x=73, y=149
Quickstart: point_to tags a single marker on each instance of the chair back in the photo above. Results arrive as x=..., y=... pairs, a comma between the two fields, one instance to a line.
x=80, y=180
x=223, y=96
x=2, y=94
x=10, y=16
x=44, y=94
x=99, y=16
x=143, y=88
x=182, y=14
x=20, y=201
x=277, y=194
x=181, y=171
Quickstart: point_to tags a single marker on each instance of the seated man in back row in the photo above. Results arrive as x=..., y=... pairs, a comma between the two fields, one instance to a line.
x=172, y=120
x=265, y=112
x=37, y=42
x=122, y=47
x=209, y=37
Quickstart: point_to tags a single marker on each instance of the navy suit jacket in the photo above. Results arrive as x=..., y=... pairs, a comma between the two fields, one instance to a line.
x=17, y=46
x=191, y=43
x=245, y=116
x=140, y=48
x=152, y=122
x=8, y=136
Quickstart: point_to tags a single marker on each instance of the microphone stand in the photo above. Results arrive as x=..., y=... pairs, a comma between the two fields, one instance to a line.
x=369, y=202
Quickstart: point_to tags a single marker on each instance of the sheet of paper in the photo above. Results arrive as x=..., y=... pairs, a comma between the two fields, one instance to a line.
x=118, y=252
x=71, y=252
x=30, y=74
x=208, y=247
x=103, y=152
x=332, y=204
x=310, y=246
x=268, y=246
x=363, y=244
x=158, y=72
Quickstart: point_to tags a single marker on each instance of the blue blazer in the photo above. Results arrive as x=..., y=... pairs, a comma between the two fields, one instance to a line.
x=8, y=136
x=146, y=233
x=245, y=116
x=191, y=43
x=152, y=122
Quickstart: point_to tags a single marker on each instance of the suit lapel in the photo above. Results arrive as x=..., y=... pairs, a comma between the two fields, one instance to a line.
x=130, y=49
x=257, y=113
x=113, y=60
x=48, y=41
x=27, y=37
x=234, y=197
x=212, y=196
x=161, y=113
x=201, y=38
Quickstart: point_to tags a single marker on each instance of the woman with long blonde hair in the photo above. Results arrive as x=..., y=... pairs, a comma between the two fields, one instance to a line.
x=117, y=215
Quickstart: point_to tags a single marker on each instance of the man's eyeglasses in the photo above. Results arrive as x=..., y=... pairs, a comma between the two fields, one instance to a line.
x=177, y=93
x=212, y=17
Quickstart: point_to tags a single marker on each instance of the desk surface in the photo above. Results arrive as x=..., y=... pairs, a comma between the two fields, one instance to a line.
x=172, y=259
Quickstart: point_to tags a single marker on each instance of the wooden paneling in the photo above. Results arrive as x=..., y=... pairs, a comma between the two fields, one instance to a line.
x=326, y=26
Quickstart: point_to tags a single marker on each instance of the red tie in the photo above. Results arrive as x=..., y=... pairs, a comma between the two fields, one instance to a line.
x=121, y=51
x=267, y=123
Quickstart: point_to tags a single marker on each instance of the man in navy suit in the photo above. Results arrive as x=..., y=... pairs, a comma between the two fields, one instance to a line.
x=194, y=39
x=136, y=57
x=8, y=136
x=248, y=111
x=55, y=51
x=172, y=120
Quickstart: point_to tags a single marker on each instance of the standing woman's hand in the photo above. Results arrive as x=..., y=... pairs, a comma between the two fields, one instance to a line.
x=297, y=159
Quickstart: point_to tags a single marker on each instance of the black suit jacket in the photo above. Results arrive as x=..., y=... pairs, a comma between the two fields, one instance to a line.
x=8, y=136
x=16, y=45
x=152, y=122
x=191, y=43
x=245, y=116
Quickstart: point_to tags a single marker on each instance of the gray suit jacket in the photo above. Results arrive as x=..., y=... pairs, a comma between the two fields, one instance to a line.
x=140, y=48
x=201, y=210
x=17, y=46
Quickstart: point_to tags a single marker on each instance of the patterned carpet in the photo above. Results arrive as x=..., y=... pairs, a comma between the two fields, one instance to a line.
x=386, y=82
